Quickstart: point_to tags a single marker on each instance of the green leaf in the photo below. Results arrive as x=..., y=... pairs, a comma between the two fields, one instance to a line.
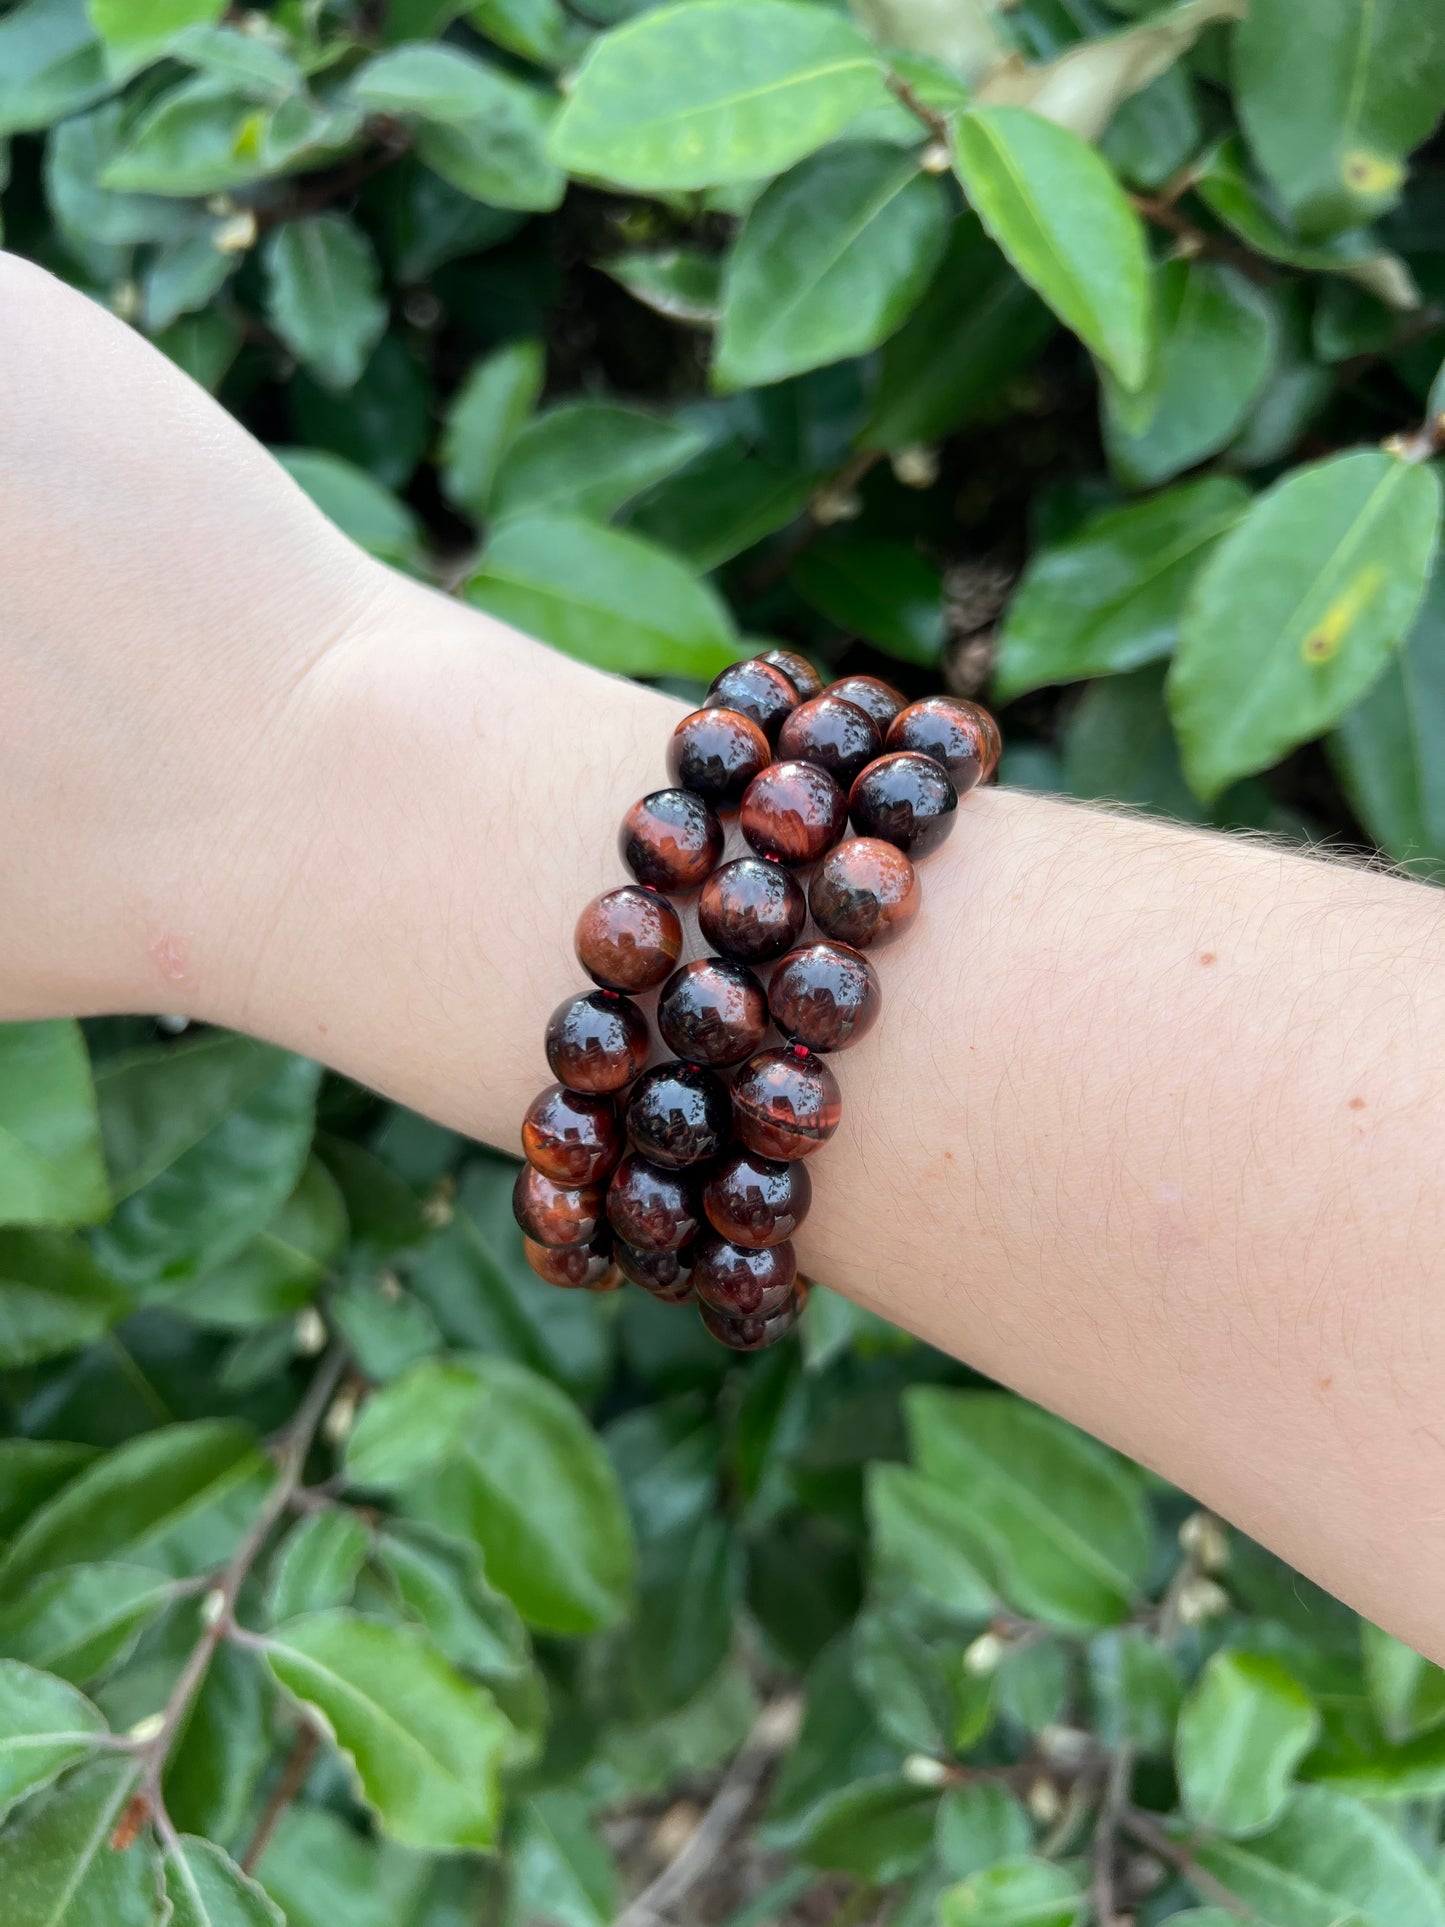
x=31, y=1470
x=57, y=1865
x=426, y=1745
x=375, y=519
x=682, y=283
x=963, y=34
x=1016, y=1893
x=183, y=278
x=538, y=30
x=608, y=598
x=51, y=64
x=441, y=1585
x=51, y=1170
x=78, y=1621
x=322, y=296
x=214, y=1773
x=1243, y=1730
x=830, y=262
x=319, y=1562
x=282, y=1268
x=722, y=504
x=1066, y=1524
x=142, y=29
x=1137, y=1689
x=880, y=589
x=927, y=1534
x=1374, y=1768
x=689, y=1590
x=588, y=458
x=563, y=1873
x=1295, y=613
x=76, y=155
x=878, y=1830
x=205, y=1143
x=483, y=420
x=384, y=1329
x=207, y=1889
x=906, y=1681
x=977, y=1826
x=204, y=137
x=54, y=1297
x=413, y=1425
x=714, y=91
x=1213, y=351
x=1334, y=96
x=176, y=1500
x=258, y=66
x=1061, y=217
x=1110, y=597
x=45, y=1726
x=1328, y=1860
x=320, y=1871
x=1406, y=1690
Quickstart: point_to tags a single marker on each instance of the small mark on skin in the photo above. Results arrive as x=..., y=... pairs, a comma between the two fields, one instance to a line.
x=1208, y=957
x=948, y=1157
x=1327, y=1381
x=1357, y=1103
x=1169, y=1193
x=169, y=955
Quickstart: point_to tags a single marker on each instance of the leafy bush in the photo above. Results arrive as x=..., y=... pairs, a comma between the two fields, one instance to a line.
x=1085, y=354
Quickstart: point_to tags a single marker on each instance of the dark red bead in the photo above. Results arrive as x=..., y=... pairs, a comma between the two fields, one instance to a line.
x=865, y=892
x=836, y=735
x=786, y=1105
x=905, y=799
x=571, y=1136
x=793, y=812
x=653, y=1209
x=628, y=939
x=743, y=1280
x=574, y=1267
x=756, y=689
x=672, y=841
x=824, y=996
x=715, y=754
x=597, y=1042
x=798, y=670
x=755, y=1201
x=873, y=696
x=752, y=910
x=953, y=732
x=713, y=1012
x=756, y=1332
x=993, y=735
x=679, y=1114
x=556, y=1214
x=664, y=1275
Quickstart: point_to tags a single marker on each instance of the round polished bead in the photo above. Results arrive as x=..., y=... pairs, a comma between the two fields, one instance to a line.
x=713, y=1011
x=653, y=1209
x=793, y=812
x=824, y=996
x=865, y=892
x=798, y=670
x=756, y=1332
x=755, y=1201
x=597, y=1042
x=664, y=1275
x=906, y=800
x=679, y=1114
x=993, y=737
x=953, y=732
x=628, y=939
x=671, y=841
x=786, y=1103
x=743, y=1280
x=752, y=910
x=556, y=1214
x=715, y=754
x=756, y=689
x=873, y=696
x=571, y=1136
x=836, y=735
x=574, y=1267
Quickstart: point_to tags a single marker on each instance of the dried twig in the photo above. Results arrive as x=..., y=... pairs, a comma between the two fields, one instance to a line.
x=1106, y=1834
x=1144, y=1828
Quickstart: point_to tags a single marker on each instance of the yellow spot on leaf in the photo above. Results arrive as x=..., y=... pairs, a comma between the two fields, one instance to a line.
x=1327, y=637
x=249, y=137
x=1371, y=174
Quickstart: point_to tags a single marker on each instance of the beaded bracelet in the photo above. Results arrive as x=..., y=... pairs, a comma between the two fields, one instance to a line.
x=694, y=1188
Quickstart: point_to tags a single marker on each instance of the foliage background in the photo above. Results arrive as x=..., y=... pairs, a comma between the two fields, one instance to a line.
x=1079, y=353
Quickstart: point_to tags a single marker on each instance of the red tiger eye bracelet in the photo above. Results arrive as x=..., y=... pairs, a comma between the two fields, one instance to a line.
x=686, y=1178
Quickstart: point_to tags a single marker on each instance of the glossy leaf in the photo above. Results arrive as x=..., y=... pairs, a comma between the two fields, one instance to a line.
x=588, y=459
x=412, y=1426
x=144, y=27
x=323, y=297
x=563, y=1872
x=375, y=519
x=979, y=1825
x=385, y=1330
x=54, y=1297
x=207, y=1889
x=1137, y=1689
x=1298, y=609
x=319, y=1870
x=920, y=1529
x=51, y=64
x=216, y=1768
x=878, y=1830
x=1243, y=1730
x=77, y=1621
x=490, y=407
x=206, y=137
x=318, y=1562
x=31, y=1470
x=682, y=283
x=45, y=1726
x=58, y=1867
x=722, y=503
x=51, y=1169
x=282, y=1268
x=879, y=589
x=1016, y=1893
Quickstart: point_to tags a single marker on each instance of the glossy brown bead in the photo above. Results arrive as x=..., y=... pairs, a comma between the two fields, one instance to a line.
x=786, y=1103
x=556, y=1214
x=653, y=1209
x=755, y=1202
x=951, y=731
x=824, y=996
x=671, y=841
x=628, y=939
x=798, y=670
x=756, y=689
x=752, y=910
x=793, y=813
x=743, y=1280
x=715, y=754
x=756, y=1332
x=873, y=696
x=836, y=735
x=573, y=1267
x=906, y=800
x=679, y=1115
x=571, y=1136
x=597, y=1042
x=864, y=893
x=713, y=1011
x=664, y=1275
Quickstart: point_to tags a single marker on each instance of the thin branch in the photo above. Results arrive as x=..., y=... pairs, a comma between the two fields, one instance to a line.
x=937, y=124
x=289, y=1784
x=1162, y=212
x=1106, y=1835
x=1148, y=1832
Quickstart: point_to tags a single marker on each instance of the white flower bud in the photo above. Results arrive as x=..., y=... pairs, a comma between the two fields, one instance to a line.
x=1043, y=1802
x=235, y=235
x=1204, y=1538
x=336, y=1426
x=935, y=158
x=1201, y=1599
x=832, y=505
x=212, y=1606
x=982, y=1657
x=916, y=467
x=144, y=1731
x=920, y=1770
x=310, y=1335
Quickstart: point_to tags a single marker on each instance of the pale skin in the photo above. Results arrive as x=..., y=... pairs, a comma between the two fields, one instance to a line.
x=1151, y=1125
